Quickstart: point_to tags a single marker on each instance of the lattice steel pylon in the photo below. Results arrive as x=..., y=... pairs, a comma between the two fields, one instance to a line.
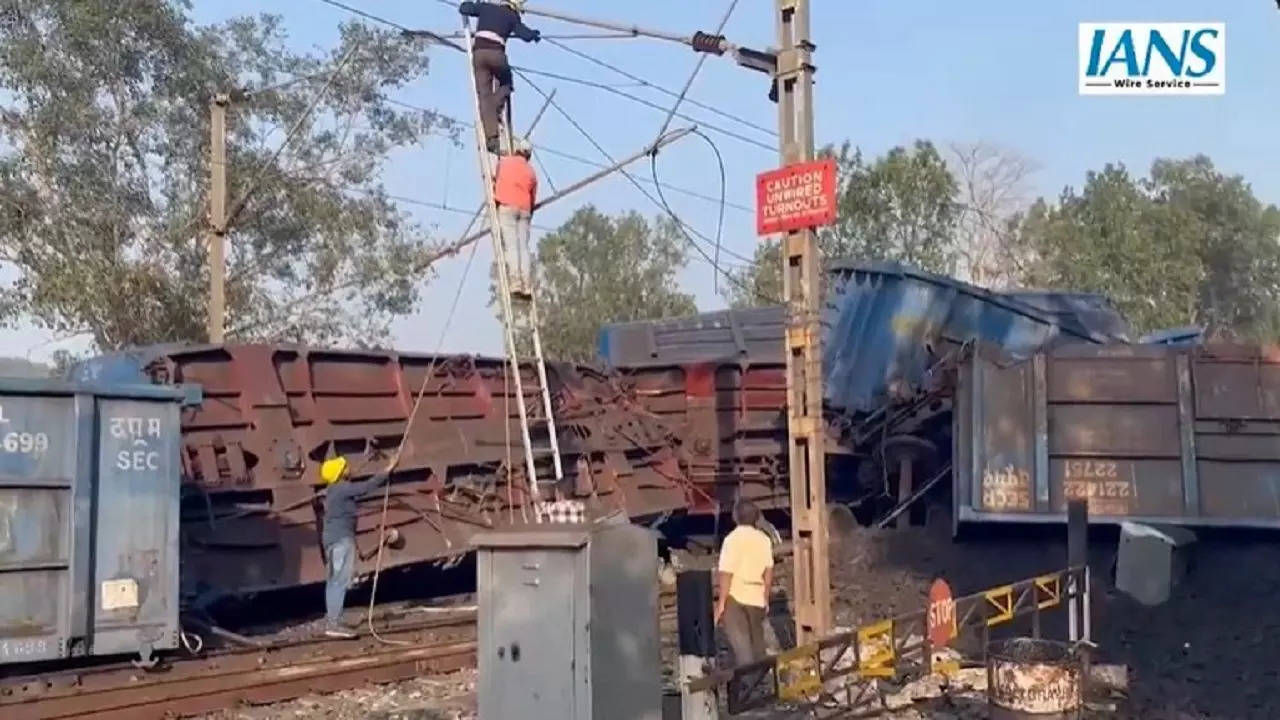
x=510, y=312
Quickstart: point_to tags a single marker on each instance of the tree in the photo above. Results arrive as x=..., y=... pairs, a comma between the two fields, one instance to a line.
x=105, y=157
x=1187, y=245
x=595, y=269
x=1238, y=249
x=899, y=207
x=1113, y=238
x=992, y=186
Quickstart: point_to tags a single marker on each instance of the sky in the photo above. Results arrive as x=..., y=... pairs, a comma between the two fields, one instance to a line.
x=1001, y=72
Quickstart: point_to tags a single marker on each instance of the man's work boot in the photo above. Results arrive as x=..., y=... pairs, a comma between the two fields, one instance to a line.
x=520, y=290
x=339, y=633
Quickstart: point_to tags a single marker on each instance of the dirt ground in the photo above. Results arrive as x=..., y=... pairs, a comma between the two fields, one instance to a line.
x=1211, y=652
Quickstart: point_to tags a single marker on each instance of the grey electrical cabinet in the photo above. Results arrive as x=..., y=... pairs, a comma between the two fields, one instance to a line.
x=568, y=619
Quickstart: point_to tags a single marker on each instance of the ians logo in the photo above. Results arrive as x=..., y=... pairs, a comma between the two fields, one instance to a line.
x=1153, y=58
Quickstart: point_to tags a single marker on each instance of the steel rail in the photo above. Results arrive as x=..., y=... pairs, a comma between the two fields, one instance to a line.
x=213, y=692
x=224, y=679
x=232, y=676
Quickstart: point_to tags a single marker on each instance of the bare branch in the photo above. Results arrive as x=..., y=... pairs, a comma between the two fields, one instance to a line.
x=993, y=184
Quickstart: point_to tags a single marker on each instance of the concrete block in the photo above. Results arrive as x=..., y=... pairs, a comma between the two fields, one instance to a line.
x=1152, y=561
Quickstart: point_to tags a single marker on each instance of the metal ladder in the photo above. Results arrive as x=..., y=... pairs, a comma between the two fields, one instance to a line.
x=509, y=310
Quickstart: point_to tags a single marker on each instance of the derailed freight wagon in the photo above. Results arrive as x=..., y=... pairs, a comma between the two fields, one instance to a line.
x=251, y=452
x=89, y=493
x=1178, y=435
x=893, y=337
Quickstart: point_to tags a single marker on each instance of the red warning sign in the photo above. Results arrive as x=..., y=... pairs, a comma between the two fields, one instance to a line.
x=942, y=614
x=796, y=197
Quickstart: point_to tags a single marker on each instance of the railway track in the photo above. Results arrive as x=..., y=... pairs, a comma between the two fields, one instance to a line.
x=226, y=678
x=279, y=670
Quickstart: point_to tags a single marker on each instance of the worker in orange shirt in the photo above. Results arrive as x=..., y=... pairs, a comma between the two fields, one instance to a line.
x=516, y=191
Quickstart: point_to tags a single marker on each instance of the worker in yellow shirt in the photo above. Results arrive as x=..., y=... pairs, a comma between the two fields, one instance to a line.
x=746, y=574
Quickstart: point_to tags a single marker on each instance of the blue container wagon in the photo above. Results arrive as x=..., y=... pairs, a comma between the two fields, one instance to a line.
x=883, y=324
x=90, y=479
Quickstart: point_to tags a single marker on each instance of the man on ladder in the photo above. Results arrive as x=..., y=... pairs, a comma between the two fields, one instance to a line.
x=495, y=23
x=487, y=48
x=515, y=189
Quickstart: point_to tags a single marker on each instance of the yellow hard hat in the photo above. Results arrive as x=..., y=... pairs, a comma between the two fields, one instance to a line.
x=331, y=470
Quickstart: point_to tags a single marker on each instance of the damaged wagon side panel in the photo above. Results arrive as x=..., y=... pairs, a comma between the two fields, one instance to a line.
x=251, y=452
x=1177, y=435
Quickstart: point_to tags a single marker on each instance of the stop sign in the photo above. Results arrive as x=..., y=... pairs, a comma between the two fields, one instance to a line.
x=942, y=614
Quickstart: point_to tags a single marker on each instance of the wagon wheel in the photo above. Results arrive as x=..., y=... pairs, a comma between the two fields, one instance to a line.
x=901, y=454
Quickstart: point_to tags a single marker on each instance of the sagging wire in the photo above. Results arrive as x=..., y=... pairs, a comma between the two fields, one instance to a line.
x=653, y=167
x=684, y=228
x=417, y=403
x=572, y=156
x=653, y=86
x=647, y=103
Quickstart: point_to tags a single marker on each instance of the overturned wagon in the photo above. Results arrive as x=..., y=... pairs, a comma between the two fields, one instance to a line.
x=893, y=340
x=271, y=414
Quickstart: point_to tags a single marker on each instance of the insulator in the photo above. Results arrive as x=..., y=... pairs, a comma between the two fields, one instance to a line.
x=708, y=43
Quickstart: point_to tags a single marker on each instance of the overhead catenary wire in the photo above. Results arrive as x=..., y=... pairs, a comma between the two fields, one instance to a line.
x=537, y=158
x=456, y=247
x=366, y=15
x=702, y=58
x=680, y=223
x=524, y=73
x=634, y=30
x=649, y=104
x=427, y=204
x=234, y=211
x=446, y=42
x=653, y=160
x=568, y=36
x=577, y=158
x=654, y=86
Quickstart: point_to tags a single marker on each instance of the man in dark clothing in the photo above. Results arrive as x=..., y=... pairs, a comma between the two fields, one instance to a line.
x=339, y=537
x=495, y=23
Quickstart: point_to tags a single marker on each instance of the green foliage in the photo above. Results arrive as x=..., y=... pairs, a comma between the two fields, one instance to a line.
x=1238, y=248
x=899, y=207
x=596, y=269
x=1188, y=245
x=104, y=174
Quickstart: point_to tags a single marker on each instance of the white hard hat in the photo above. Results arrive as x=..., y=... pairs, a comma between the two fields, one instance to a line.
x=523, y=146
x=517, y=5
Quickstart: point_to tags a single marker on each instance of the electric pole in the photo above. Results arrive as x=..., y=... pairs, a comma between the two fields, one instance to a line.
x=217, y=234
x=802, y=287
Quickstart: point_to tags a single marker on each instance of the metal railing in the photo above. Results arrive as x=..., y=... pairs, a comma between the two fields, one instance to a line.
x=813, y=676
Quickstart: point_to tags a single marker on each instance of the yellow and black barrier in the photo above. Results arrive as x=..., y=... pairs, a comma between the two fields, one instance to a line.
x=899, y=649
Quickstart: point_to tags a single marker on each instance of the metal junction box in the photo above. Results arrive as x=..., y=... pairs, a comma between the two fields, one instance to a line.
x=89, y=494
x=569, y=623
